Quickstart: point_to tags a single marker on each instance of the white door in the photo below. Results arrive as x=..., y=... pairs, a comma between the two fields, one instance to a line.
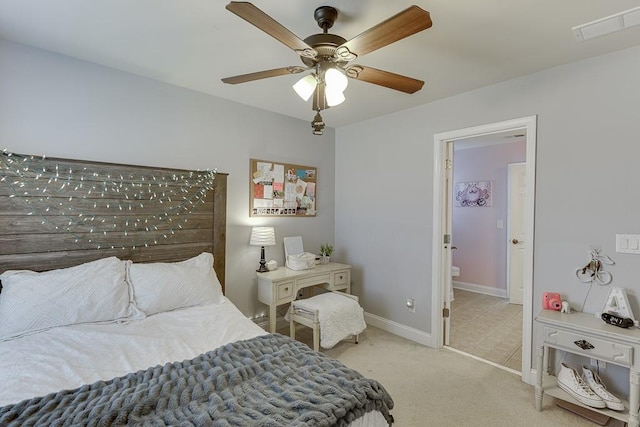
x=516, y=231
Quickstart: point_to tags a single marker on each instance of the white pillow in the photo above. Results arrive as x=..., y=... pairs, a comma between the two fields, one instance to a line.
x=96, y=291
x=161, y=286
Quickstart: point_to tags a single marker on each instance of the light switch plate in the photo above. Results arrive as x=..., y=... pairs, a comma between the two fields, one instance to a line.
x=628, y=243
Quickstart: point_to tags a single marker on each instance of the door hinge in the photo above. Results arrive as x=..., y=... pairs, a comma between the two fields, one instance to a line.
x=448, y=164
x=445, y=312
x=447, y=239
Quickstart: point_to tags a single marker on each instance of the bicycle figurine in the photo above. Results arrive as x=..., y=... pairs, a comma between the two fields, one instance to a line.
x=593, y=272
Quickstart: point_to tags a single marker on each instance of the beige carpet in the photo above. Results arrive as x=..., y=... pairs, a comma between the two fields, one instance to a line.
x=442, y=388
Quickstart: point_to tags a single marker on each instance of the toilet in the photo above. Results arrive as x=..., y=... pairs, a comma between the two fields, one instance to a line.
x=455, y=271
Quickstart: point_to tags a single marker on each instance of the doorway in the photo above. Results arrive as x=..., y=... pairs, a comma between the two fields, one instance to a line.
x=442, y=229
x=486, y=314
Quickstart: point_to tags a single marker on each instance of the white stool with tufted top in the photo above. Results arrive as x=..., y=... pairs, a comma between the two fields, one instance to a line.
x=332, y=315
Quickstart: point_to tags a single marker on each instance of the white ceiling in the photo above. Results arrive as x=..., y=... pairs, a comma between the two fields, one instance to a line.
x=195, y=43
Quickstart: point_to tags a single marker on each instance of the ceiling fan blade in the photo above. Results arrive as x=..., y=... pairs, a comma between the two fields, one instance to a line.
x=257, y=17
x=384, y=78
x=243, y=78
x=404, y=24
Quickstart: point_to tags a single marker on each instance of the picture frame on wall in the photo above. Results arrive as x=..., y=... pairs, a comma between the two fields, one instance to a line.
x=473, y=194
x=282, y=189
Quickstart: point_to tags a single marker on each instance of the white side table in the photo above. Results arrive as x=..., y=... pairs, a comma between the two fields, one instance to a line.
x=567, y=332
x=281, y=286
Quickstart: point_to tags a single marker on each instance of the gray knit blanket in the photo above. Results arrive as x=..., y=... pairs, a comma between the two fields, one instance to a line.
x=269, y=380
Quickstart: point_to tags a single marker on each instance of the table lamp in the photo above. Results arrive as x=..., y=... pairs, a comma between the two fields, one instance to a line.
x=262, y=236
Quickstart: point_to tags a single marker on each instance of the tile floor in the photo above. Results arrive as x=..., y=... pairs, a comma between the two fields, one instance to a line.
x=487, y=327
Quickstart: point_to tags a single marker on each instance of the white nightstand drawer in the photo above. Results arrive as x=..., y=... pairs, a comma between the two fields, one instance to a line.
x=285, y=291
x=341, y=278
x=602, y=349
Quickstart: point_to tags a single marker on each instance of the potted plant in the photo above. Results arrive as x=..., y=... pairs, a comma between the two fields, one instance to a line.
x=326, y=250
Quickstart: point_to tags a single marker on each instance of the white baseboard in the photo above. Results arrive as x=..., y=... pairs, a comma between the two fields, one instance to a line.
x=480, y=289
x=404, y=331
x=532, y=378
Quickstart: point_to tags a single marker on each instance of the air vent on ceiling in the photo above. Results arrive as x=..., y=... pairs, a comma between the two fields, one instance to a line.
x=610, y=24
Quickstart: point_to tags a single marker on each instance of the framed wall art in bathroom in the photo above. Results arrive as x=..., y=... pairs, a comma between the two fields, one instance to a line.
x=473, y=193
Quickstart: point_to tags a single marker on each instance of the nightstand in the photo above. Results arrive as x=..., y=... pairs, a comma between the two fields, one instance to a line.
x=568, y=332
x=281, y=286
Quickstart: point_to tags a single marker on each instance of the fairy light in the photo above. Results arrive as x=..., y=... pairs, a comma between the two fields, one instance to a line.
x=106, y=193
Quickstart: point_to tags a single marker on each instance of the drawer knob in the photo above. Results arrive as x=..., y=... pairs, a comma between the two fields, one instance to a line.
x=584, y=344
x=340, y=277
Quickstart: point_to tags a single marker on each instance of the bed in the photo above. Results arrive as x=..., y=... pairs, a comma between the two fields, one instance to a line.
x=112, y=310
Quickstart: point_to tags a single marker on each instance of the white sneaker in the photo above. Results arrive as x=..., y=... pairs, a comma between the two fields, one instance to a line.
x=569, y=381
x=595, y=383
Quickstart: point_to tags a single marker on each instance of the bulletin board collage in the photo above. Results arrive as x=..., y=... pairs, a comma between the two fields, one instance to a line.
x=281, y=189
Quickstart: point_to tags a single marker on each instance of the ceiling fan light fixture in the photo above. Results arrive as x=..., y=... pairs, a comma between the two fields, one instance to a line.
x=335, y=80
x=334, y=96
x=305, y=86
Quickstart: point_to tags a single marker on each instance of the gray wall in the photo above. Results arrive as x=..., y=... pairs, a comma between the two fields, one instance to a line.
x=587, y=184
x=60, y=107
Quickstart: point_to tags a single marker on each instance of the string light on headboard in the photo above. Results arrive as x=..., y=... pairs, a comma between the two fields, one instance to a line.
x=102, y=207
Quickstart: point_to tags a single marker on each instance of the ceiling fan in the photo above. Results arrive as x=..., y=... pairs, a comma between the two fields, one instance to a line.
x=328, y=56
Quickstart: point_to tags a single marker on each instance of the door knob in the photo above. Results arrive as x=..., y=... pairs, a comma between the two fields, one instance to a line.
x=516, y=241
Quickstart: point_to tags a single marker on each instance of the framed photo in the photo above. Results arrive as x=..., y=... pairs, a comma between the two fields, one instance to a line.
x=474, y=193
x=282, y=189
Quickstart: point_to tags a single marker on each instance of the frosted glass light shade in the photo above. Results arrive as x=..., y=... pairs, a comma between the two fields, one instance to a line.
x=305, y=86
x=334, y=96
x=335, y=80
x=262, y=236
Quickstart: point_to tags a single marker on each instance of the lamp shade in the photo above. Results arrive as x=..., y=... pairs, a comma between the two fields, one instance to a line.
x=305, y=86
x=334, y=96
x=262, y=236
x=335, y=80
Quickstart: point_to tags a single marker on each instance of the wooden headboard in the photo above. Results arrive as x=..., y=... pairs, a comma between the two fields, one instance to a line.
x=57, y=213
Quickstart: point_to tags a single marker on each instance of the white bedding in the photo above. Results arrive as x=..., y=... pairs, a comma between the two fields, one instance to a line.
x=70, y=356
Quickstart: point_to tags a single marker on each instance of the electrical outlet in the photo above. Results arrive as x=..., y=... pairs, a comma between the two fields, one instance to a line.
x=411, y=305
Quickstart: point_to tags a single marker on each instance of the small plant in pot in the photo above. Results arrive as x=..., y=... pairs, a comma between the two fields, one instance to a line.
x=326, y=250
